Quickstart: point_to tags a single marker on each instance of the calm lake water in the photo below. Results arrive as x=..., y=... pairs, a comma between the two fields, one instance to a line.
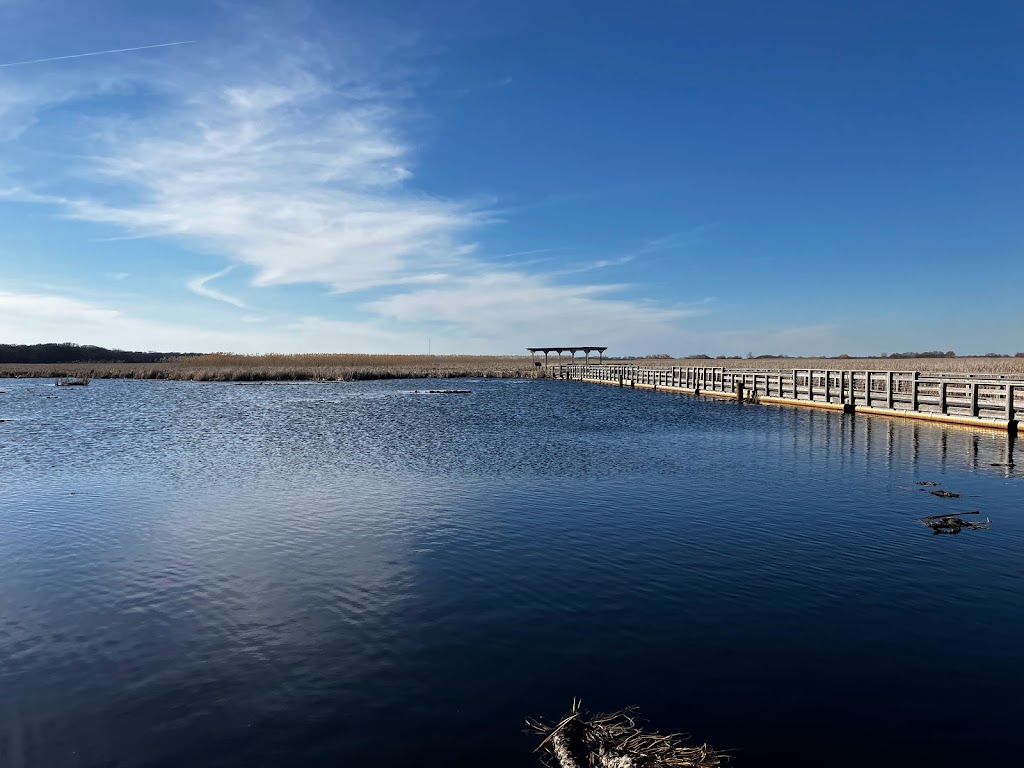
x=350, y=574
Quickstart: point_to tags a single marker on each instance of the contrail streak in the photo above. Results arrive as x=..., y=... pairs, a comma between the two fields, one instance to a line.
x=96, y=53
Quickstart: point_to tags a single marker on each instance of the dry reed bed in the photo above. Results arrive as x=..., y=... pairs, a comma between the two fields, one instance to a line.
x=352, y=367
x=326, y=367
x=996, y=365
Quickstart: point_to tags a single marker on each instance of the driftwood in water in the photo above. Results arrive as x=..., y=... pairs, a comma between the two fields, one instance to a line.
x=953, y=524
x=616, y=741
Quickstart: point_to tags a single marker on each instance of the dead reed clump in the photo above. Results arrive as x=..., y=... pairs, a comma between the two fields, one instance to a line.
x=615, y=741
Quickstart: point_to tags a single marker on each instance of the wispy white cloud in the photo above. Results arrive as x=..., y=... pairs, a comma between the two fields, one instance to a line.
x=513, y=311
x=286, y=173
x=33, y=318
x=199, y=285
x=498, y=310
x=301, y=169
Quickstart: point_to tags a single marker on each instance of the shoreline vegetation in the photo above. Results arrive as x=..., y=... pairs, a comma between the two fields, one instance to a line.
x=360, y=367
x=311, y=367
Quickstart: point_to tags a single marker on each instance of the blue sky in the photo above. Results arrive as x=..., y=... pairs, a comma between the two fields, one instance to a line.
x=664, y=176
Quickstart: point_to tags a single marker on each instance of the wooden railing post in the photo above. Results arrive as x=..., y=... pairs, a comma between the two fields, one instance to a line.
x=974, y=399
x=914, y=403
x=867, y=388
x=943, y=405
x=889, y=393
x=1010, y=412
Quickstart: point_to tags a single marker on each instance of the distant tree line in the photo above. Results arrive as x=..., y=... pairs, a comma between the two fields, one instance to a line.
x=76, y=353
x=905, y=355
x=658, y=356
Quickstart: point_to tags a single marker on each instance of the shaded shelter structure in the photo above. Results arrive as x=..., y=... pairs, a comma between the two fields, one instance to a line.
x=587, y=351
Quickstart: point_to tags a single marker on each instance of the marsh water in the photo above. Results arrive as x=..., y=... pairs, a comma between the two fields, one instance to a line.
x=353, y=574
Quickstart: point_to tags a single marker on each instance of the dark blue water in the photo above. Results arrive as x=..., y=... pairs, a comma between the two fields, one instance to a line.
x=348, y=574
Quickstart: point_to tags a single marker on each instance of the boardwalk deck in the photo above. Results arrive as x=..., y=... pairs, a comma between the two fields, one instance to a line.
x=984, y=401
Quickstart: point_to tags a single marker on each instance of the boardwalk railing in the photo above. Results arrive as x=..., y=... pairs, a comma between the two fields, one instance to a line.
x=991, y=401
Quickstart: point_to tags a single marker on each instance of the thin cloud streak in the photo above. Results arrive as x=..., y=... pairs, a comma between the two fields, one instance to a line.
x=96, y=53
x=198, y=285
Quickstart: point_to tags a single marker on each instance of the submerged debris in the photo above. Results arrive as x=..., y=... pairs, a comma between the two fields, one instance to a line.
x=71, y=381
x=953, y=524
x=615, y=741
x=443, y=392
x=926, y=482
x=946, y=494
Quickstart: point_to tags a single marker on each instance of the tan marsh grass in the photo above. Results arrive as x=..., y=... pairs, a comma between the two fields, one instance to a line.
x=309, y=367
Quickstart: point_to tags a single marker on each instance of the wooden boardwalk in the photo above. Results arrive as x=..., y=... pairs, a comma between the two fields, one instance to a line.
x=982, y=400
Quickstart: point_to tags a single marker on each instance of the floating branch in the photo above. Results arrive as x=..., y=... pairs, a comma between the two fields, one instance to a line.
x=946, y=494
x=947, y=514
x=616, y=741
x=953, y=524
x=926, y=482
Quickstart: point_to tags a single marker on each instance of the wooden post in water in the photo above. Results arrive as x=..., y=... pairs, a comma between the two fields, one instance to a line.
x=888, y=394
x=914, y=403
x=1010, y=412
x=943, y=405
